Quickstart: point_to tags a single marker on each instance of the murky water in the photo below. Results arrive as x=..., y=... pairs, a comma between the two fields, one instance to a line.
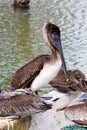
x=21, y=36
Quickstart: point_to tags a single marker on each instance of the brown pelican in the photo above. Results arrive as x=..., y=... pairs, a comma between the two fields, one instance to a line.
x=40, y=71
x=77, y=81
x=21, y=102
x=21, y=3
x=76, y=111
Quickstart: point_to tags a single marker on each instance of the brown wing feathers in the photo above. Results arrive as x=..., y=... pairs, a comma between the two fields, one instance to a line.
x=25, y=75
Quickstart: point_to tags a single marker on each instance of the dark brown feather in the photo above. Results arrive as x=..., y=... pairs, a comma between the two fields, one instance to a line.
x=77, y=112
x=25, y=75
x=21, y=102
x=76, y=81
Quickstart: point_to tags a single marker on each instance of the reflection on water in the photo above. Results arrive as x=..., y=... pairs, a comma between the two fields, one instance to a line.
x=21, y=34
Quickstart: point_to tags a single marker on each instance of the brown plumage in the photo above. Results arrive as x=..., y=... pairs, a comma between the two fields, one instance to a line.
x=21, y=3
x=77, y=81
x=76, y=111
x=21, y=102
x=43, y=68
x=25, y=75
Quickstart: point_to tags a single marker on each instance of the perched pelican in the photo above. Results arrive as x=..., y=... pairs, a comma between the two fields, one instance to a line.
x=21, y=3
x=76, y=111
x=21, y=102
x=40, y=71
x=77, y=81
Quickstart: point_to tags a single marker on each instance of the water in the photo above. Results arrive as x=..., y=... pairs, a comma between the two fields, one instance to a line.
x=21, y=36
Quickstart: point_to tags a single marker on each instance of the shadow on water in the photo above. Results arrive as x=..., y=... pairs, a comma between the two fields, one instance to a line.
x=21, y=36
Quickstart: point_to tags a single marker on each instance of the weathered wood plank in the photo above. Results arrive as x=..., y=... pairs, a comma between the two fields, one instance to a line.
x=15, y=124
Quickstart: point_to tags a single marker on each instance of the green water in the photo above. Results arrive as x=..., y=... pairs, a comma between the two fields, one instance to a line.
x=21, y=36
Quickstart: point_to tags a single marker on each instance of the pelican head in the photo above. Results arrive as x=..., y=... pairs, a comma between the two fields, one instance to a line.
x=52, y=36
x=21, y=3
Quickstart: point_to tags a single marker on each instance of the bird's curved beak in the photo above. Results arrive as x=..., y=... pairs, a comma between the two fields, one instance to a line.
x=57, y=43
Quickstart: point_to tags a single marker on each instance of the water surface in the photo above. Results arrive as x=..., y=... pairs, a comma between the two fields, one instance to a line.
x=21, y=36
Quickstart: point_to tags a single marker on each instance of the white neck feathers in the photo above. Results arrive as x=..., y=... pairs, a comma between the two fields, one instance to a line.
x=47, y=74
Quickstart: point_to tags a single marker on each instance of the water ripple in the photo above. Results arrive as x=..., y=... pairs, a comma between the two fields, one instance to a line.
x=21, y=37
